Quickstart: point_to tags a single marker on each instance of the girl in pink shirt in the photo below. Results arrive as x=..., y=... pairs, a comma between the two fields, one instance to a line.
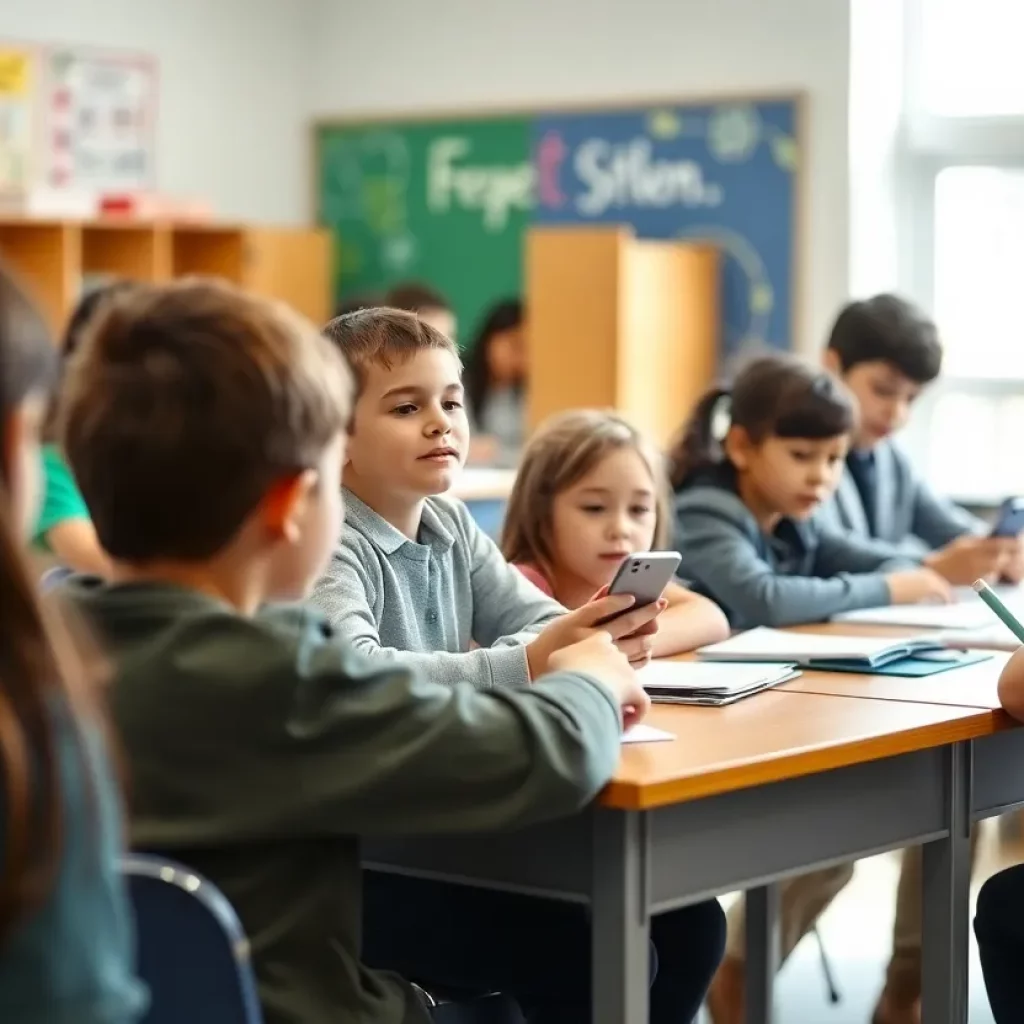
x=589, y=492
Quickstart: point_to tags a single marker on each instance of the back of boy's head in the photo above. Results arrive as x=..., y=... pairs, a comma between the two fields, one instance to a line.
x=414, y=297
x=564, y=449
x=383, y=337
x=185, y=404
x=772, y=396
x=887, y=329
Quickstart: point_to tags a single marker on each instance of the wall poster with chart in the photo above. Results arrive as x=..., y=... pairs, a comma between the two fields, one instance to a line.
x=449, y=200
x=99, y=112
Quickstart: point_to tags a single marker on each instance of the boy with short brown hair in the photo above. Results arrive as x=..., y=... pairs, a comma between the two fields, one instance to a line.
x=207, y=430
x=414, y=579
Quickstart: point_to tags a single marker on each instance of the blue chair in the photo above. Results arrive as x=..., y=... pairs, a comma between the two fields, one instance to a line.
x=193, y=954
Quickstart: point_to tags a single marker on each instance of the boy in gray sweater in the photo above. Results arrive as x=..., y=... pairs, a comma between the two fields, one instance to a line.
x=413, y=578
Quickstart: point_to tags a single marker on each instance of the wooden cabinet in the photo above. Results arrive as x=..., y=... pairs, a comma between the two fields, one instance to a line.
x=56, y=259
x=616, y=322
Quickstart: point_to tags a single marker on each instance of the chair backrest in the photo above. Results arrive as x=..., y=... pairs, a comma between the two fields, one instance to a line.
x=193, y=954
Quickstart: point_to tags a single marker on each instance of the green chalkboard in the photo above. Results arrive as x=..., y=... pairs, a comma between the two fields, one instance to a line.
x=444, y=202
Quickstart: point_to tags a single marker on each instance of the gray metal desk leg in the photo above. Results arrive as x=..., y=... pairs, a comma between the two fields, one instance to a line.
x=621, y=922
x=946, y=874
x=762, y=953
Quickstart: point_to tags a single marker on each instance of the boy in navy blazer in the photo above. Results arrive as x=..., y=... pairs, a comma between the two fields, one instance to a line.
x=886, y=352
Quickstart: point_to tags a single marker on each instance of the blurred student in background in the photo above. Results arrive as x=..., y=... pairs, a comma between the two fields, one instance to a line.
x=429, y=305
x=64, y=531
x=495, y=380
x=65, y=925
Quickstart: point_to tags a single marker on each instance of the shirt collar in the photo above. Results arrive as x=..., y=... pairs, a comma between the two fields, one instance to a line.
x=433, y=532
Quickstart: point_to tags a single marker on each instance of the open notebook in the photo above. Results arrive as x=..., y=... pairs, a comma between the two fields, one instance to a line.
x=813, y=650
x=691, y=682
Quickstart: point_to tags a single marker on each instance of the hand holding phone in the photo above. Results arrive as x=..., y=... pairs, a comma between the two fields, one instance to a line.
x=645, y=576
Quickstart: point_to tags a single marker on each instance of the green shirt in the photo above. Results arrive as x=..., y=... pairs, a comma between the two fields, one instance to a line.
x=62, y=499
x=259, y=750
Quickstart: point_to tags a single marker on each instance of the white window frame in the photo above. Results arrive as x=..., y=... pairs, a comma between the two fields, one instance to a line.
x=928, y=145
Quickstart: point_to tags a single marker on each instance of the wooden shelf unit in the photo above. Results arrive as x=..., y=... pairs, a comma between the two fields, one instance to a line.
x=54, y=258
x=620, y=323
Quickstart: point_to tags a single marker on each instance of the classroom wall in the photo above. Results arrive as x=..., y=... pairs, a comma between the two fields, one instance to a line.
x=394, y=55
x=233, y=97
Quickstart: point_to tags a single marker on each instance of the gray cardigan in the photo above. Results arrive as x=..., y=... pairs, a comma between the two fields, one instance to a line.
x=907, y=513
x=424, y=603
x=803, y=572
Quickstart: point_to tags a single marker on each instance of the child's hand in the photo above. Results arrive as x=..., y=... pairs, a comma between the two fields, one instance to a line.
x=598, y=657
x=967, y=559
x=918, y=585
x=631, y=630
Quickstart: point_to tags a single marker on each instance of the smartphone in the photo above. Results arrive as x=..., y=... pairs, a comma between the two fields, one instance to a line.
x=1010, y=521
x=645, y=575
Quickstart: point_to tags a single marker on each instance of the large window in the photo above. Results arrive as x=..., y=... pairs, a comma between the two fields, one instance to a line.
x=963, y=243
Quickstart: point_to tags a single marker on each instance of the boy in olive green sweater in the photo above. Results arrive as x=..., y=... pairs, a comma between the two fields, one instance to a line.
x=207, y=431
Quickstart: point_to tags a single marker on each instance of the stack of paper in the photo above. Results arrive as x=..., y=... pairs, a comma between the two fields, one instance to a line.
x=682, y=682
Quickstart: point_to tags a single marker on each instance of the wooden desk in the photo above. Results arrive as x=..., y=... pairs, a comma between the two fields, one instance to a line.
x=747, y=795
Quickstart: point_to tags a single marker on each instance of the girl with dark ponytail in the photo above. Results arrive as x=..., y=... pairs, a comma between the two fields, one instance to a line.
x=65, y=938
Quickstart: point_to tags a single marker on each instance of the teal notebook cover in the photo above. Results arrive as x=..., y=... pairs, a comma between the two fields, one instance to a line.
x=926, y=663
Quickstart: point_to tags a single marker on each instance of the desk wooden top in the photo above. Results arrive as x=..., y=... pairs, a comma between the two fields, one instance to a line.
x=973, y=686
x=780, y=735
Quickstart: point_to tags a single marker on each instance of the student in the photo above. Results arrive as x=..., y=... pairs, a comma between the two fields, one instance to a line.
x=495, y=377
x=752, y=467
x=750, y=470
x=64, y=530
x=429, y=305
x=999, y=916
x=413, y=577
x=886, y=352
x=260, y=746
x=589, y=492
x=66, y=943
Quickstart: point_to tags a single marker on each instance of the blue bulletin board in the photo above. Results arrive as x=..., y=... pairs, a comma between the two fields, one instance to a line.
x=723, y=172
x=453, y=205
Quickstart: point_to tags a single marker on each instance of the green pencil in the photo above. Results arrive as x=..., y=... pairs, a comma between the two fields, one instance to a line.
x=1005, y=616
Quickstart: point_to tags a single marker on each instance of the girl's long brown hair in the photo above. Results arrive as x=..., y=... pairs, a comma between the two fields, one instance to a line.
x=561, y=452
x=37, y=663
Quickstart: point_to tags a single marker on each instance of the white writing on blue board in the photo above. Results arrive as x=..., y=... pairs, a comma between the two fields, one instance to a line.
x=626, y=174
x=494, y=190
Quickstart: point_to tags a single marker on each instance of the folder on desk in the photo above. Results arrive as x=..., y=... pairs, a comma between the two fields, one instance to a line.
x=821, y=651
x=692, y=682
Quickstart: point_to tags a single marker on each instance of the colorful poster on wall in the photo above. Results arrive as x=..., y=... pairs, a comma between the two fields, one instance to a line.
x=18, y=96
x=100, y=113
x=725, y=173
